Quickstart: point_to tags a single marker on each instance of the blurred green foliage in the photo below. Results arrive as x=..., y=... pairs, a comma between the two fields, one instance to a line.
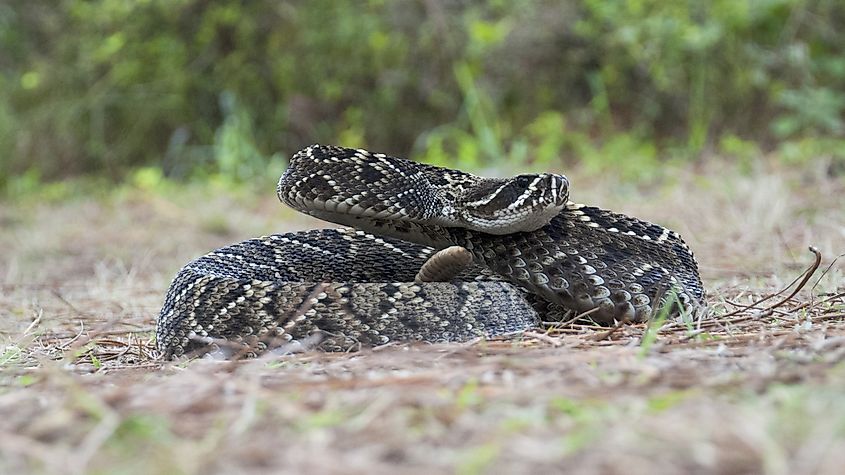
x=228, y=87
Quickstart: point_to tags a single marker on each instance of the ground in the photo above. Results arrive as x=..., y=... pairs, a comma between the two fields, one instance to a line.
x=748, y=387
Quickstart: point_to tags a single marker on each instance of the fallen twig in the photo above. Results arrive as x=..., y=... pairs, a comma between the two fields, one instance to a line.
x=544, y=338
x=803, y=277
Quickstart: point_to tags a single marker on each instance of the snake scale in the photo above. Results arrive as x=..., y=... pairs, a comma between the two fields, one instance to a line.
x=535, y=255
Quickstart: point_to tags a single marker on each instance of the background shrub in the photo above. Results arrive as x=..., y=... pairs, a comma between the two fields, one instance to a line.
x=197, y=87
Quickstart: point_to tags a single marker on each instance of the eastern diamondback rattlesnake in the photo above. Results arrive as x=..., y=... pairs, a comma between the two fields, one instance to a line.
x=535, y=254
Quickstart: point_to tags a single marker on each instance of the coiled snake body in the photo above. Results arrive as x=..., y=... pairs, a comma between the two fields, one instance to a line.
x=535, y=254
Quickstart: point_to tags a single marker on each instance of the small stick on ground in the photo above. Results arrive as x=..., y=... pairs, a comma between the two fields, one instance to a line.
x=609, y=333
x=565, y=323
x=804, y=277
x=807, y=274
x=544, y=338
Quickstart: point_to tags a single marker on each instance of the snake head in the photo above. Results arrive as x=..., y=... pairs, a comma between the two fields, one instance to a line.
x=507, y=205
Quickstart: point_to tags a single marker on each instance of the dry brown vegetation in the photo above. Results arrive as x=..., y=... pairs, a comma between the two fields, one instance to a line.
x=746, y=388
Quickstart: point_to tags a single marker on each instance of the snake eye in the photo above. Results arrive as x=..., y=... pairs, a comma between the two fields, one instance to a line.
x=524, y=180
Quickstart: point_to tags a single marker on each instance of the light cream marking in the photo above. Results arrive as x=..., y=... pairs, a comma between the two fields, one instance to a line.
x=526, y=194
